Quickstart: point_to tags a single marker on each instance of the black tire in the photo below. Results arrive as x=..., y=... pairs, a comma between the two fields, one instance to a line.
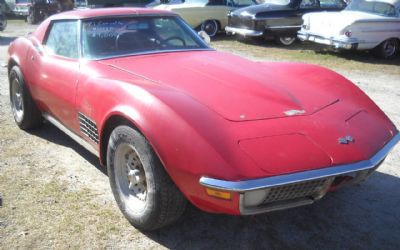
x=211, y=27
x=387, y=49
x=161, y=203
x=285, y=40
x=26, y=113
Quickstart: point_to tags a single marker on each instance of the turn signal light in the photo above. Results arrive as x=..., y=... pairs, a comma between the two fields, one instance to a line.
x=219, y=194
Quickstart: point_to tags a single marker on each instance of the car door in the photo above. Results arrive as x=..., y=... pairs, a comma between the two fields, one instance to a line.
x=54, y=72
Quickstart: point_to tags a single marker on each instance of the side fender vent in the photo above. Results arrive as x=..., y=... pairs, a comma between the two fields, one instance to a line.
x=88, y=128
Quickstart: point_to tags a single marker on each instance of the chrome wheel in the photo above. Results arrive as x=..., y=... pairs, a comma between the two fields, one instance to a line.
x=289, y=40
x=389, y=48
x=17, y=101
x=130, y=177
x=210, y=27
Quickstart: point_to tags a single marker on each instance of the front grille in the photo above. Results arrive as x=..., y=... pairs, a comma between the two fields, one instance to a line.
x=240, y=22
x=88, y=128
x=308, y=189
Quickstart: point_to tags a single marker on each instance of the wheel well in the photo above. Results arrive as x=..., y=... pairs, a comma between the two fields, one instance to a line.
x=11, y=64
x=218, y=23
x=111, y=124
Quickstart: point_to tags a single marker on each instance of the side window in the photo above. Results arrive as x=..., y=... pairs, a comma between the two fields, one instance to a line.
x=385, y=9
x=216, y=2
x=240, y=3
x=331, y=4
x=63, y=39
x=308, y=4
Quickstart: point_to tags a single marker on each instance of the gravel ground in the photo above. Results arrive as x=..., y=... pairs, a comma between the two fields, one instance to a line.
x=55, y=194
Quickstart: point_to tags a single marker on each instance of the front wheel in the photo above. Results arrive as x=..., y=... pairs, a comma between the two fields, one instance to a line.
x=211, y=27
x=285, y=40
x=387, y=49
x=143, y=190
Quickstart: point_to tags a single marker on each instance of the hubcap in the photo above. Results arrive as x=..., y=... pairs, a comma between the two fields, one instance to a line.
x=287, y=40
x=389, y=47
x=17, y=102
x=210, y=27
x=130, y=177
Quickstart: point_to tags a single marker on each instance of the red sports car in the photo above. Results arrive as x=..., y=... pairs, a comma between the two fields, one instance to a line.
x=175, y=121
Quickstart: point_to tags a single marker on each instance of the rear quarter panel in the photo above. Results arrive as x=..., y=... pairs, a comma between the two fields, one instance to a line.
x=370, y=33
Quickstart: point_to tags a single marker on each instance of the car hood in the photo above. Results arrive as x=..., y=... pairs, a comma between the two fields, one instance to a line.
x=335, y=22
x=236, y=88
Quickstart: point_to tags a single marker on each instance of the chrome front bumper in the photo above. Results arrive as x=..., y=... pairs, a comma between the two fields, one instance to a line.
x=336, y=43
x=314, y=183
x=243, y=32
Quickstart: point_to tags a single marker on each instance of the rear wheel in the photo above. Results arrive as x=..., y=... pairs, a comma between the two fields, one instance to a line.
x=25, y=112
x=285, y=40
x=211, y=27
x=387, y=49
x=143, y=190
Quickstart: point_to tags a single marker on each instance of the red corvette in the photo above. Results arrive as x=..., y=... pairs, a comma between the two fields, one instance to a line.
x=175, y=121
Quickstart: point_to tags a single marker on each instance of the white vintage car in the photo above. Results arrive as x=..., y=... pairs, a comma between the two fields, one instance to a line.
x=363, y=25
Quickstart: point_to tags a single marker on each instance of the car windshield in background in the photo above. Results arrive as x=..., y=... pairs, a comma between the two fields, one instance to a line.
x=374, y=7
x=112, y=37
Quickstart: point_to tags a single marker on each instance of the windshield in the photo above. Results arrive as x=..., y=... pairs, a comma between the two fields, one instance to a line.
x=121, y=36
x=374, y=7
x=22, y=1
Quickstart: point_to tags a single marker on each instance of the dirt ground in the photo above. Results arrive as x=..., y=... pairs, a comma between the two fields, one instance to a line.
x=56, y=195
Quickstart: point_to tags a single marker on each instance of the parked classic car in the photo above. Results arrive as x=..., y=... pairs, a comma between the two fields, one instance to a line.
x=3, y=21
x=37, y=10
x=279, y=20
x=363, y=25
x=210, y=16
x=174, y=120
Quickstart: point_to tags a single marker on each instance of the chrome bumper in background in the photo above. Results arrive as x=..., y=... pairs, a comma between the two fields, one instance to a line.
x=338, y=44
x=301, y=188
x=243, y=32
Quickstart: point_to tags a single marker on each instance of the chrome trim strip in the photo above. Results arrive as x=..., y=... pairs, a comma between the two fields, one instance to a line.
x=283, y=27
x=345, y=44
x=279, y=180
x=71, y=134
x=243, y=32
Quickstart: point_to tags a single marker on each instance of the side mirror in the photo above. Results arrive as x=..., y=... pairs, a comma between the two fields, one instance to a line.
x=204, y=36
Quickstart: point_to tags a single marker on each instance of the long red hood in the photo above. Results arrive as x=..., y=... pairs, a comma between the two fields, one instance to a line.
x=236, y=88
x=242, y=90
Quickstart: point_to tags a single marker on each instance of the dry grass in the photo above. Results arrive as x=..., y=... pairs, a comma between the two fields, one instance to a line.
x=39, y=213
